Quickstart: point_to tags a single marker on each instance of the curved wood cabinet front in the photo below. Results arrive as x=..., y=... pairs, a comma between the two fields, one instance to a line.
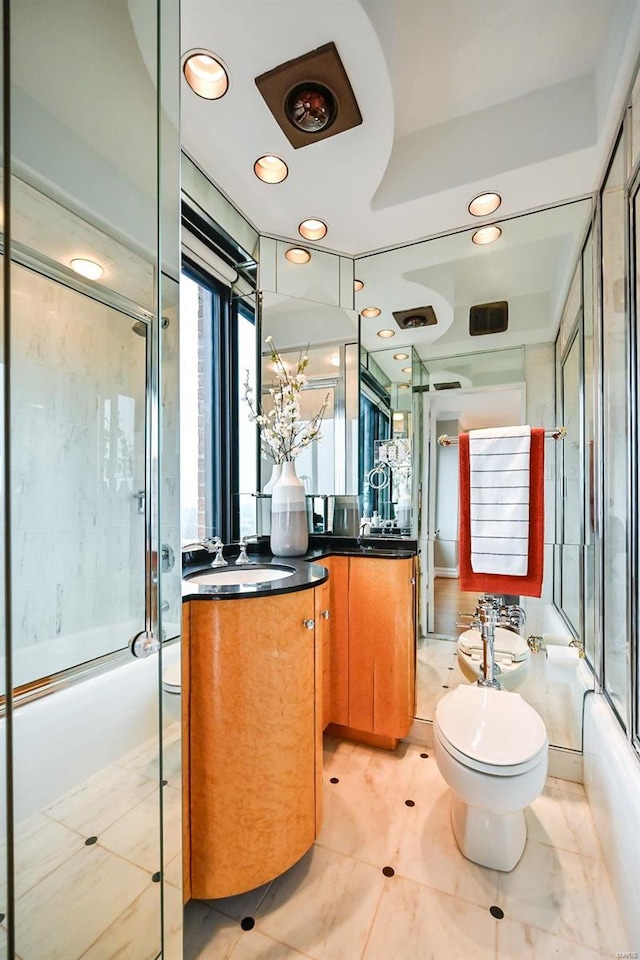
x=255, y=714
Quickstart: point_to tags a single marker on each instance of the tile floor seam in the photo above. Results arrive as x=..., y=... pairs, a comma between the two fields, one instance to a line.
x=53, y=820
x=106, y=826
x=445, y=893
x=131, y=863
x=558, y=846
x=283, y=943
x=373, y=920
x=548, y=933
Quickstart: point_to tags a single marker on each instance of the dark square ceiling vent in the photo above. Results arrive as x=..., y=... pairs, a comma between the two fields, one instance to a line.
x=311, y=97
x=488, y=318
x=416, y=317
x=448, y=385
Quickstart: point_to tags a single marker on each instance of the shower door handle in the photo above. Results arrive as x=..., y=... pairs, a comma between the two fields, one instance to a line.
x=144, y=645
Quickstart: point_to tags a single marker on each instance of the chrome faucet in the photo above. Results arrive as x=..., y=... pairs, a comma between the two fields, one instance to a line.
x=492, y=612
x=207, y=543
x=211, y=545
x=242, y=556
x=218, y=560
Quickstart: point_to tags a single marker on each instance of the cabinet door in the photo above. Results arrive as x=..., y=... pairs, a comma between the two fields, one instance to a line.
x=253, y=740
x=338, y=568
x=381, y=645
x=323, y=640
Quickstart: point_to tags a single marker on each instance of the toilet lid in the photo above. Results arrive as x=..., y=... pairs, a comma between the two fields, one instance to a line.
x=506, y=643
x=492, y=727
x=171, y=678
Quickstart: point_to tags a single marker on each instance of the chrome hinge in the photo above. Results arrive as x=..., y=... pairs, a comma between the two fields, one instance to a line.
x=144, y=645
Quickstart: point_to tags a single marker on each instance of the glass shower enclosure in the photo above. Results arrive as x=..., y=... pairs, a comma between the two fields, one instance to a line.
x=92, y=809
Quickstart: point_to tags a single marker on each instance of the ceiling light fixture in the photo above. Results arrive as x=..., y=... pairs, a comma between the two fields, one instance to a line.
x=398, y=417
x=403, y=386
x=297, y=255
x=407, y=370
x=484, y=204
x=87, y=268
x=313, y=229
x=358, y=285
x=270, y=169
x=401, y=356
x=371, y=312
x=486, y=235
x=385, y=334
x=205, y=74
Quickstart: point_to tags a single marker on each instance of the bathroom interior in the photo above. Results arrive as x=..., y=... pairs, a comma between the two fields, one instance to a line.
x=205, y=758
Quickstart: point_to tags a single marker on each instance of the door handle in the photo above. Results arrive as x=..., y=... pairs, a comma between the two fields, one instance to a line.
x=325, y=614
x=309, y=624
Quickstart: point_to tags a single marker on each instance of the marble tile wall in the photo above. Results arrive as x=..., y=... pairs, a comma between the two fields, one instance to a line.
x=78, y=418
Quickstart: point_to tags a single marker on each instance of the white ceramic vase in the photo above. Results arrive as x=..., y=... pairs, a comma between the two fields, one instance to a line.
x=264, y=514
x=289, y=530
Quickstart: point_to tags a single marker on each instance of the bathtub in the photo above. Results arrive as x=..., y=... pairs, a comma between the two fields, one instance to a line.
x=63, y=738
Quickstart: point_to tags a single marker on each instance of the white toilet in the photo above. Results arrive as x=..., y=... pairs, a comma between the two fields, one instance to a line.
x=511, y=654
x=171, y=685
x=492, y=749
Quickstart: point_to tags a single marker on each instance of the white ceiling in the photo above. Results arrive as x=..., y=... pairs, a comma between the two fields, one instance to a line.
x=513, y=95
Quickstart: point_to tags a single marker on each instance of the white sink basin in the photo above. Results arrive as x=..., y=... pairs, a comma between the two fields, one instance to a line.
x=237, y=576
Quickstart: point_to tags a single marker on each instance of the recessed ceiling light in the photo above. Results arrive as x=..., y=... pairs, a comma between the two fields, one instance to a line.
x=371, y=312
x=270, y=169
x=385, y=334
x=486, y=235
x=297, y=255
x=87, y=268
x=358, y=285
x=403, y=386
x=407, y=370
x=206, y=75
x=334, y=361
x=398, y=417
x=313, y=229
x=401, y=356
x=484, y=204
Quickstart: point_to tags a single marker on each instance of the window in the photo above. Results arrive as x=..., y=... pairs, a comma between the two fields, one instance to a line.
x=198, y=442
x=218, y=442
x=374, y=425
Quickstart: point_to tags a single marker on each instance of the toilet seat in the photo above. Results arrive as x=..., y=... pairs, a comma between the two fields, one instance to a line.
x=493, y=731
x=172, y=678
x=508, y=646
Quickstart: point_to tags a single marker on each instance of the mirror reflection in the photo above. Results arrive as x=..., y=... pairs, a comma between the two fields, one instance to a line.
x=455, y=295
x=327, y=335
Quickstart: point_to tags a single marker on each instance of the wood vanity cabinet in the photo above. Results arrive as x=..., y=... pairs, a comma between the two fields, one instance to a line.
x=252, y=704
x=372, y=648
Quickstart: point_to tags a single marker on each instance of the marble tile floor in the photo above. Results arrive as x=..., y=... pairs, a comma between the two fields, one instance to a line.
x=86, y=865
x=391, y=810
x=437, y=671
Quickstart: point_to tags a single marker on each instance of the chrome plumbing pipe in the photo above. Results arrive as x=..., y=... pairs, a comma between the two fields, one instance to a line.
x=487, y=614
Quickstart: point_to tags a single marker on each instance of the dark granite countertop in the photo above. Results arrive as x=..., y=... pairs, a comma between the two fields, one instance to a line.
x=307, y=570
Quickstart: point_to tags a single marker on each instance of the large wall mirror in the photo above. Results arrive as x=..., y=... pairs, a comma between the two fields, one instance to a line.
x=306, y=310
x=464, y=377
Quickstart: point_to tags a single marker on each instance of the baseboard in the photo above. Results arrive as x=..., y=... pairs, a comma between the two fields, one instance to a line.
x=450, y=573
